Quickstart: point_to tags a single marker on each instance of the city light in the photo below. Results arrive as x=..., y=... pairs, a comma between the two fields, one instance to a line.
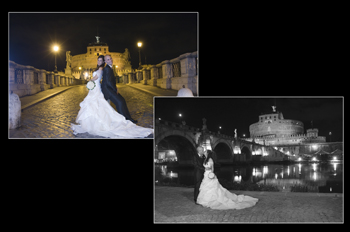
x=139, y=44
x=180, y=115
x=236, y=150
x=55, y=48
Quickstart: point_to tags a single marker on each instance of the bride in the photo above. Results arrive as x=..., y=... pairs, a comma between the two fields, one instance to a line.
x=97, y=116
x=213, y=195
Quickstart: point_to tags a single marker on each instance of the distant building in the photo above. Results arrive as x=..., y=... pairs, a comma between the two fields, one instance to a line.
x=83, y=65
x=273, y=130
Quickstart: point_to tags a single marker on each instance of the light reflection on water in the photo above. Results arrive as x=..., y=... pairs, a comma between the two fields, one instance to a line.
x=318, y=177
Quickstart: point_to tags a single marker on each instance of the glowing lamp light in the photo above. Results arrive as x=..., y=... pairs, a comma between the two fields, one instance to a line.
x=314, y=159
x=335, y=158
x=55, y=48
x=236, y=150
x=139, y=44
x=299, y=159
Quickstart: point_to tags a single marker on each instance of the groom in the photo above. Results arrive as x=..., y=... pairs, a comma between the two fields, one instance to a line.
x=198, y=160
x=110, y=90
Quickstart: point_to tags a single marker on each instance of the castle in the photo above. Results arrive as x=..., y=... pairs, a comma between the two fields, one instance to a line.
x=273, y=130
x=83, y=65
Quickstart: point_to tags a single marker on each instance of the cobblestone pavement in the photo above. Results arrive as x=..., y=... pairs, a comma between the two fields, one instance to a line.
x=52, y=118
x=175, y=204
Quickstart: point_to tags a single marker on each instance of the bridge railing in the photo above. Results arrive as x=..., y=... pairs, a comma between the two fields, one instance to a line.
x=191, y=128
x=176, y=125
x=169, y=74
x=27, y=80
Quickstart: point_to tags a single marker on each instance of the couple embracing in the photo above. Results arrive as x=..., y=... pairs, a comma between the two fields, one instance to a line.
x=97, y=116
x=208, y=192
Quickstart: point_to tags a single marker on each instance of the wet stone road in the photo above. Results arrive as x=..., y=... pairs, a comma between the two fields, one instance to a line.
x=52, y=118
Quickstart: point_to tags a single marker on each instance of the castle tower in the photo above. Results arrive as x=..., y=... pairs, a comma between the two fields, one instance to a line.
x=312, y=132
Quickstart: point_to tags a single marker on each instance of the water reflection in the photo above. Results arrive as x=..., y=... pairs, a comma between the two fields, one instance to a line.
x=318, y=177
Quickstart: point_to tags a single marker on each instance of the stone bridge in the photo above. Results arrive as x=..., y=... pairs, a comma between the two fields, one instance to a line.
x=184, y=139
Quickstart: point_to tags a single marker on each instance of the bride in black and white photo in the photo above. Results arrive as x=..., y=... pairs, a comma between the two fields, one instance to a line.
x=214, y=196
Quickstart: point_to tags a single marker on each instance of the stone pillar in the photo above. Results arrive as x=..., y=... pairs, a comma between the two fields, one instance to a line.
x=125, y=78
x=167, y=74
x=57, y=78
x=145, y=76
x=138, y=75
x=159, y=77
x=14, y=111
x=42, y=80
x=130, y=75
x=62, y=80
x=51, y=79
x=188, y=65
x=28, y=78
x=188, y=70
x=154, y=75
x=31, y=88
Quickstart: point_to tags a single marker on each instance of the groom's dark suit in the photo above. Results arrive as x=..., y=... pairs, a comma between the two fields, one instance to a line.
x=198, y=174
x=109, y=91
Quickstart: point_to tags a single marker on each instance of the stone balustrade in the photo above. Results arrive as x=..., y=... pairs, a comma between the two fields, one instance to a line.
x=27, y=80
x=169, y=74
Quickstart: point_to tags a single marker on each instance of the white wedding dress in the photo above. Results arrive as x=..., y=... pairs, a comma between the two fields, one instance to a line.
x=97, y=117
x=214, y=196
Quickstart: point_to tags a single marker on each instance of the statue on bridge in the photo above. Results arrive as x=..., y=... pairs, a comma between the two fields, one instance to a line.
x=235, y=133
x=68, y=59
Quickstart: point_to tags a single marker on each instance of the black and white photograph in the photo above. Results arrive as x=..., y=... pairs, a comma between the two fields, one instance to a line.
x=248, y=160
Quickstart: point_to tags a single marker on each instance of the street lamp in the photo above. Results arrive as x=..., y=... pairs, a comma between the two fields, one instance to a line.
x=139, y=44
x=55, y=48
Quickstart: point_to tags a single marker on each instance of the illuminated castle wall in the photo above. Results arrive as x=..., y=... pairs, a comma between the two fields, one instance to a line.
x=273, y=129
x=87, y=62
x=275, y=125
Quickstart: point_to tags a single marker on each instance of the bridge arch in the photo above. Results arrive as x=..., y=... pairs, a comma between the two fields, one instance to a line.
x=223, y=151
x=247, y=153
x=183, y=145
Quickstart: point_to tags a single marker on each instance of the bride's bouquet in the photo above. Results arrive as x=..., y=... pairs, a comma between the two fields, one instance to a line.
x=90, y=85
x=211, y=175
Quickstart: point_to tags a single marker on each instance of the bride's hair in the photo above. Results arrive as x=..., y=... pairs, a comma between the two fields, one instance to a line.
x=103, y=64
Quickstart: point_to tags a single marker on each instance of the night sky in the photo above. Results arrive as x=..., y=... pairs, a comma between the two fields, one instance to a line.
x=164, y=36
x=240, y=113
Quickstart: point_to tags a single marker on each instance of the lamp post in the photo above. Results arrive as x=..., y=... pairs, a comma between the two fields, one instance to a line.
x=55, y=48
x=330, y=136
x=139, y=44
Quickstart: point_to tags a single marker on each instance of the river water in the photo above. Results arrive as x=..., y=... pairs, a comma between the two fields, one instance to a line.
x=317, y=177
